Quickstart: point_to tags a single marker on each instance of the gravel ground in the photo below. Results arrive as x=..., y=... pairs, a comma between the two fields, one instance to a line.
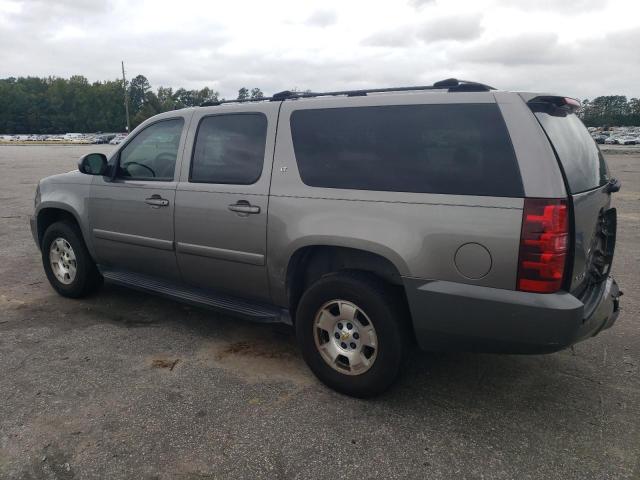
x=127, y=385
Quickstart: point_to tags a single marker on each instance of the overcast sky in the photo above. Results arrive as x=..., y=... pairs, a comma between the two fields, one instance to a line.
x=581, y=48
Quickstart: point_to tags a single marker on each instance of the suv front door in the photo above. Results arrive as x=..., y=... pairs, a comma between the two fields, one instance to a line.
x=222, y=199
x=131, y=212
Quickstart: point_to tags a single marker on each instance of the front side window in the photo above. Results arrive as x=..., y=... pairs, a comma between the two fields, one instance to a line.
x=229, y=149
x=152, y=154
x=461, y=149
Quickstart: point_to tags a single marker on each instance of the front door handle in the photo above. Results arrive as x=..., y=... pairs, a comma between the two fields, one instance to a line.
x=157, y=201
x=244, y=208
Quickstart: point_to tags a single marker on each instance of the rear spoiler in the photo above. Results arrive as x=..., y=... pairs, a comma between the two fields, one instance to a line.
x=553, y=105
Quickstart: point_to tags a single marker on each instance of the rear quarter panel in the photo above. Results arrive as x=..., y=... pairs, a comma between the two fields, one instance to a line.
x=419, y=233
x=541, y=175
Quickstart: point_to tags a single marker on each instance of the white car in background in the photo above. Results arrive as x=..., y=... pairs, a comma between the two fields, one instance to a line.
x=117, y=140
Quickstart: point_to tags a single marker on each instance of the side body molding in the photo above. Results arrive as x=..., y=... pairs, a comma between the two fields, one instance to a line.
x=134, y=239
x=220, y=253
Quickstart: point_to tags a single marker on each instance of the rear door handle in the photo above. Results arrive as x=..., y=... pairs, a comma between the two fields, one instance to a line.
x=157, y=201
x=244, y=207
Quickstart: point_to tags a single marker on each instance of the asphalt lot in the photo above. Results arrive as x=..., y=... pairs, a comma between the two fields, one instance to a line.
x=127, y=385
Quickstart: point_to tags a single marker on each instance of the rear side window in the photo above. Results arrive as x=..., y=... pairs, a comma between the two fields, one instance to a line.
x=229, y=149
x=583, y=164
x=455, y=149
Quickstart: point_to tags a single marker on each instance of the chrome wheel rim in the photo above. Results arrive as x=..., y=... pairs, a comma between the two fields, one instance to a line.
x=63, y=261
x=345, y=337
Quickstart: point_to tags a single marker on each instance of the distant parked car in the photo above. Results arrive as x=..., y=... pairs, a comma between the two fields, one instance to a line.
x=73, y=136
x=117, y=139
x=99, y=139
x=600, y=138
x=627, y=141
x=611, y=141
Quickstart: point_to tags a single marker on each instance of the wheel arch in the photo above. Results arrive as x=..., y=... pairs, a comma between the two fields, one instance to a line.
x=48, y=214
x=309, y=263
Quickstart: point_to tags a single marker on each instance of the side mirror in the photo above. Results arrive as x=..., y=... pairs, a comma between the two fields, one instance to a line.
x=93, y=164
x=614, y=185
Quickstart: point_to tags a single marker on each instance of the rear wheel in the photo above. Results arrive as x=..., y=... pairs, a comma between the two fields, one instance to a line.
x=70, y=269
x=352, y=334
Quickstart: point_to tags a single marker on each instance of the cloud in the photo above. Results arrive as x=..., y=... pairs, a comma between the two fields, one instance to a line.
x=620, y=39
x=458, y=27
x=526, y=49
x=451, y=28
x=321, y=18
x=391, y=38
x=420, y=3
x=34, y=12
x=67, y=5
x=576, y=6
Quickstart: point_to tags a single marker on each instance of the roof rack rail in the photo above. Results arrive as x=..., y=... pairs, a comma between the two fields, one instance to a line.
x=449, y=84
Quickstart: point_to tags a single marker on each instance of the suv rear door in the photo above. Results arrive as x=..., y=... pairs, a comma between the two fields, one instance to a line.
x=587, y=180
x=222, y=199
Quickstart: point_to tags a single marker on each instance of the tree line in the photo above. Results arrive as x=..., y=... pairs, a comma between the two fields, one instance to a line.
x=59, y=105
x=610, y=110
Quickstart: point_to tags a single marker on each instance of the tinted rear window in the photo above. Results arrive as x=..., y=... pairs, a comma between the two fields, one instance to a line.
x=454, y=149
x=583, y=164
x=229, y=149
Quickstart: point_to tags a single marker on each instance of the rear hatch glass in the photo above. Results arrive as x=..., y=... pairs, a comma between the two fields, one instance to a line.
x=581, y=159
x=586, y=176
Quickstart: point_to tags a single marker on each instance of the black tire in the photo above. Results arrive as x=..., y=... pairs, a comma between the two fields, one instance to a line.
x=387, y=314
x=87, y=278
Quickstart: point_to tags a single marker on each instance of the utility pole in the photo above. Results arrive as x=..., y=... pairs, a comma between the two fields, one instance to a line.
x=126, y=98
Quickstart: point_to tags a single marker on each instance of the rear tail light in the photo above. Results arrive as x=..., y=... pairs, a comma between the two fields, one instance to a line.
x=543, y=245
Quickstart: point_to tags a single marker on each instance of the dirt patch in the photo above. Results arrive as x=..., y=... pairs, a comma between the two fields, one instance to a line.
x=162, y=363
x=6, y=302
x=253, y=350
x=258, y=359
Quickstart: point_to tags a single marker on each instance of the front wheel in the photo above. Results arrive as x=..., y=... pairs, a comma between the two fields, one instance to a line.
x=69, y=267
x=351, y=331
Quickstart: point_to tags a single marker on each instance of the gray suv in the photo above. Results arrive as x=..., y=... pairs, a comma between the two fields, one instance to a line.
x=454, y=215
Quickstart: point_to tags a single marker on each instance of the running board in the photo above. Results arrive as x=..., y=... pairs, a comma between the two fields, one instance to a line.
x=259, y=312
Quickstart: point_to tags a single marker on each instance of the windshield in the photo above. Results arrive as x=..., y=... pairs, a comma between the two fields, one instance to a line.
x=583, y=164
